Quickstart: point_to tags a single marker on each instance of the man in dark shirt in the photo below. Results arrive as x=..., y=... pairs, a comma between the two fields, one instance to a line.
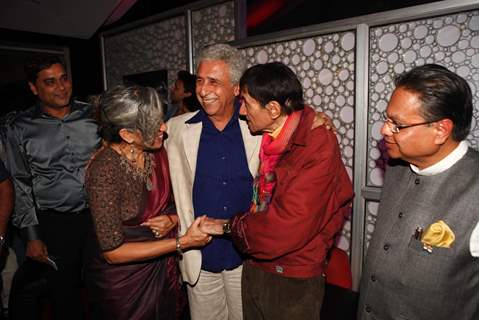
x=47, y=148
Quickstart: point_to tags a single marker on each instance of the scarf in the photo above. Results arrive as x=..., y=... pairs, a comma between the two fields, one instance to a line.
x=270, y=153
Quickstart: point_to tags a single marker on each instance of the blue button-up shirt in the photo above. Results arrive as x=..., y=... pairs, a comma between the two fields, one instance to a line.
x=222, y=185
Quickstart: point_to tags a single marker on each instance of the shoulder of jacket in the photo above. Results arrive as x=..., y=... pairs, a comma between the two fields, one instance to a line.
x=15, y=117
x=473, y=153
x=180, y=120
x=82, y=103
x=83, y=107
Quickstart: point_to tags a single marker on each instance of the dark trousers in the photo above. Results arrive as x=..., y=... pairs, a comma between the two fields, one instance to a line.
x=269, y=296
x=64, y=234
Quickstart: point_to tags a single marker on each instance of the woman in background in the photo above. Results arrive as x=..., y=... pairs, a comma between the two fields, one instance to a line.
x=131, y=272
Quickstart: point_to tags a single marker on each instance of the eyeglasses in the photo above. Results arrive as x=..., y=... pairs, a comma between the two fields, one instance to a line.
x=395, y=128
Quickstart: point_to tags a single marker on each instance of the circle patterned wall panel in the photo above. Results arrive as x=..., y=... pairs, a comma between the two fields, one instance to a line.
x=157, y=46
x=451, y=41
x=371, y=217
x=326, y=67
x=215, y=24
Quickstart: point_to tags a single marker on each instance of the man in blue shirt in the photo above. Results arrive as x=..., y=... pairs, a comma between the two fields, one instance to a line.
x=213, y=158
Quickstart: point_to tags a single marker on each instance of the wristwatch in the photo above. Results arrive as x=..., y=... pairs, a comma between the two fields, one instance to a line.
x=2, y=240
x=227, y=227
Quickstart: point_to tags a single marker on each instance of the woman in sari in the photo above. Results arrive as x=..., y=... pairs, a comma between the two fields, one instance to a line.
x=131, y=272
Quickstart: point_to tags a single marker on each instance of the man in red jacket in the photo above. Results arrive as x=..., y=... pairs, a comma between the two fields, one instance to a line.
x=301, y=197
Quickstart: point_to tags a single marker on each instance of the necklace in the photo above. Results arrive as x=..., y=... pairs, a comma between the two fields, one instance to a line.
x=143, y=174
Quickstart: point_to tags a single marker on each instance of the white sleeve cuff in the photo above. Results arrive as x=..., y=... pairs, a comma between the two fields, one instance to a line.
x=474, y=242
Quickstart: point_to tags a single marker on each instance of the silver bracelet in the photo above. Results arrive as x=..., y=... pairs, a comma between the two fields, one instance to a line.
x=178, y=245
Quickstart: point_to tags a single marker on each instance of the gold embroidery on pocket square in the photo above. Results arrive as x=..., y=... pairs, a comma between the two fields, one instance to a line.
x=438, y=234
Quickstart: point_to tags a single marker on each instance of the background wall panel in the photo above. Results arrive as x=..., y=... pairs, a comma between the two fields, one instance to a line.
x=451, y=41
x=214, y=24
x=161, y=45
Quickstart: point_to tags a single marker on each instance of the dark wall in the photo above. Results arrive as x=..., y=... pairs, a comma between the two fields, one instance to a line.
x=85, y=61
x=85, y=57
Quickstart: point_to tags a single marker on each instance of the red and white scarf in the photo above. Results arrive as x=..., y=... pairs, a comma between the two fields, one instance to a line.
x=270, y=153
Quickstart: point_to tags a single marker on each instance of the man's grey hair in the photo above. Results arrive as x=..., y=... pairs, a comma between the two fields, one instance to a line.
x=228, y=54
x=134, y=107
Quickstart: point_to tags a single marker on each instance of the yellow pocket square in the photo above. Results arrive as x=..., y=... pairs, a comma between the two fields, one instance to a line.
x=438, y=234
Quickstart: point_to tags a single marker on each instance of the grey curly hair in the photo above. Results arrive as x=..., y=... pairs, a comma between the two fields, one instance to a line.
x=133, y=107
x=230, y=55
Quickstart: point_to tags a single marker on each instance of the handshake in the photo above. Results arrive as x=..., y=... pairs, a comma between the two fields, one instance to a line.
x=198, y=234
x=213, y=226
x=201, y=231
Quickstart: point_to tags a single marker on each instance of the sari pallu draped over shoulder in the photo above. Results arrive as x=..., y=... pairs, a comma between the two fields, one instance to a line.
x=145, y=289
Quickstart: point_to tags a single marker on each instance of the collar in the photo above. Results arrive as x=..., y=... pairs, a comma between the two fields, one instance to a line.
x=445, y=163
x=38, y=112
x=300, y=135
x=201, y=116
x=277, y=131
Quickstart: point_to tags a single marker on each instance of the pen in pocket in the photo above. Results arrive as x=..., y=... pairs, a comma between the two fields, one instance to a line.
x=418, y=233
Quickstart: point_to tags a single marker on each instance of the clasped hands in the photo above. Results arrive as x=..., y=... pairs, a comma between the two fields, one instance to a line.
x=202, y=229
x=212, y=226
x=198, y=234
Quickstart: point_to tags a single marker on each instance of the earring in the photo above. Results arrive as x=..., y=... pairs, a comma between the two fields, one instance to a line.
x=132, y=153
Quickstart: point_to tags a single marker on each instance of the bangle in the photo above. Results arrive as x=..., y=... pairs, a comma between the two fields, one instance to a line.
x=178, y=246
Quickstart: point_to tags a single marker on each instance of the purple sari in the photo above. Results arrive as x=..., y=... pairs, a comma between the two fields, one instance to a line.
x=138, y=290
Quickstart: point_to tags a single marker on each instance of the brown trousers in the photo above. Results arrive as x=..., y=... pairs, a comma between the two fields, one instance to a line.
x=269, y=296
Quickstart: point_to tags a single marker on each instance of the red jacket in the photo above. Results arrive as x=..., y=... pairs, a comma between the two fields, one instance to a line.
x=308, y=207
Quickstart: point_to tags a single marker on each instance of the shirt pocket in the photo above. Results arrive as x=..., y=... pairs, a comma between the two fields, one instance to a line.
x=425, y=274
x=426, y=271
x=417, y=246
